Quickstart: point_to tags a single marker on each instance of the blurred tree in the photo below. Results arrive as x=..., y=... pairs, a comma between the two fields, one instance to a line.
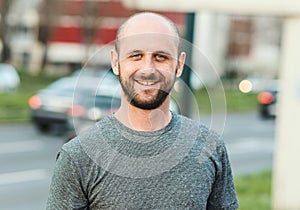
x=4, y=30
x=48, y=11
x=89, y=23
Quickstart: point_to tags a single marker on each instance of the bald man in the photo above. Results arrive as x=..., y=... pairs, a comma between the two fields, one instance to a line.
x=144, y=156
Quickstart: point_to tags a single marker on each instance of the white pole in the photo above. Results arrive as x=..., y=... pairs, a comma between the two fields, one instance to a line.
x=286, y=183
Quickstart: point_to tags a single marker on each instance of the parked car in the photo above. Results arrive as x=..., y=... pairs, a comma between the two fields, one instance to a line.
x=49, y=105
x=267, y=103
x=9, y=78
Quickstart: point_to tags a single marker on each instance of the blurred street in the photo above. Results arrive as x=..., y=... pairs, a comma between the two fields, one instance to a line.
x=27, y=157
x=250, y=142
x=26, y=163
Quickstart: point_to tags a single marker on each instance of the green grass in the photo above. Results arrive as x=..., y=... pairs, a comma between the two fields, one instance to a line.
x=235, y=101
x=254, y=191
x=14, y=106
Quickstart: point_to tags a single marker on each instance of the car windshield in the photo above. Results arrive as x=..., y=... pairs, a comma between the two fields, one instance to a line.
x=61, y=83
x=92, y=73
x=95, y=79
x=82, y=86
x=63, y=87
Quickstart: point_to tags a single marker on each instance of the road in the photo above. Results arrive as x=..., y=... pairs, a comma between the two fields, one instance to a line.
x=26, y=162
x=27, y=158
x=250, y=142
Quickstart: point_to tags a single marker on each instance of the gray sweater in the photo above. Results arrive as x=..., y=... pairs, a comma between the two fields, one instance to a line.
x=182, y=166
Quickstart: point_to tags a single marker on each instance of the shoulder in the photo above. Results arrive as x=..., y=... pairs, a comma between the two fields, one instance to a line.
x=72, y=147
x=72, y=152
x=74, y=159
x=75, y=148
x=75, y=145
x=90, y=143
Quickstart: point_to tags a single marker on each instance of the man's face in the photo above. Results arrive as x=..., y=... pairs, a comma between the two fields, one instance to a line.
x=147, y=68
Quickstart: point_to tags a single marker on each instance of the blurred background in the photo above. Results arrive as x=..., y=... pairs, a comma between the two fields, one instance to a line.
x=45, y=52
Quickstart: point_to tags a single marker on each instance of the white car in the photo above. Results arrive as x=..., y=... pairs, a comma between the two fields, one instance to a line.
x=9, y=78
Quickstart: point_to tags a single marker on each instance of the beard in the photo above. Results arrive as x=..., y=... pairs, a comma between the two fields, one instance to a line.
x=147, y=99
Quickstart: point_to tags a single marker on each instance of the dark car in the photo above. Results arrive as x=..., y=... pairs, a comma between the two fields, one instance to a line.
x=49, y=105
x=267, y=103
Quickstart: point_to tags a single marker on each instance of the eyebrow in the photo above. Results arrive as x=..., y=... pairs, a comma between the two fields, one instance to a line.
x=162, y=52
x=154, y=52
x=134, y=51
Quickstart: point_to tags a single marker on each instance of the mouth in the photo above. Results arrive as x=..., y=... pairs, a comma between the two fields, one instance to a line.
x=146, y=82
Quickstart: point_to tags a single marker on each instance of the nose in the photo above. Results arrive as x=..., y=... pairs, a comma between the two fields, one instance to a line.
x=148, y=64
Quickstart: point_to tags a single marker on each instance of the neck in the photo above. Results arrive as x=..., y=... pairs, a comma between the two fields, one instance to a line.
x=144, y=120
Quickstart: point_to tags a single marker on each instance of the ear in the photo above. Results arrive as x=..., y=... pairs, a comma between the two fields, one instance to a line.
x=180, y=64
x=114, y=61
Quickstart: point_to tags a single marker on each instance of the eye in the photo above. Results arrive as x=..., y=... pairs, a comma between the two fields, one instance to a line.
x=161, y=57
x=135, y=56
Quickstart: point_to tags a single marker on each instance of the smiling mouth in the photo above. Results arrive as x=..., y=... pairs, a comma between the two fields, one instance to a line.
x=146, y=83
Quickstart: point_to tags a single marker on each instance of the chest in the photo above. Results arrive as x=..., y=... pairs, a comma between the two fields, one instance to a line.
x=188, y=185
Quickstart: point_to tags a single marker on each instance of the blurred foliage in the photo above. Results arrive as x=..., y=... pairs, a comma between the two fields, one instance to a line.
x=236, y=101
x=254, y=191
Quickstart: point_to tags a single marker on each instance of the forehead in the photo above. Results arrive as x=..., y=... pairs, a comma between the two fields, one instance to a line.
x=152, y=42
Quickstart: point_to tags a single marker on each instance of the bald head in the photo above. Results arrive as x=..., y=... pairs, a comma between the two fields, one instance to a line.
x=146, y=23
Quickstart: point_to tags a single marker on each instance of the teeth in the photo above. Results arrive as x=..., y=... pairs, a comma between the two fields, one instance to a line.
x=147, y=83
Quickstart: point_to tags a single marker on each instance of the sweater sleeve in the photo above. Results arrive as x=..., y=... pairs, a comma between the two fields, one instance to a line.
x=223, y=195
x=66, y=190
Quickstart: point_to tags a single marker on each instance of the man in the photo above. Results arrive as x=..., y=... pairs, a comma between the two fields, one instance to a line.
x=144, y=156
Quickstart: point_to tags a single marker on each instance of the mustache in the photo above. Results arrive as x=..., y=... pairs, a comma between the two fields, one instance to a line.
x=147, y=77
